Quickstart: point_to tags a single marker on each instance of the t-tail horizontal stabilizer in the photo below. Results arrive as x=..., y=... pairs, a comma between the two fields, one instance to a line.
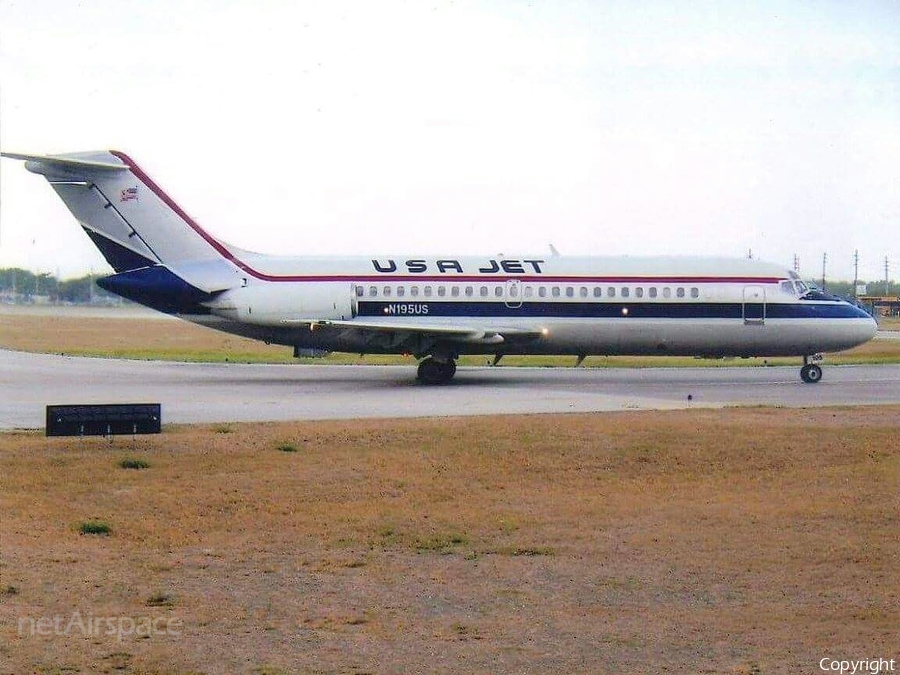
x=78, y=161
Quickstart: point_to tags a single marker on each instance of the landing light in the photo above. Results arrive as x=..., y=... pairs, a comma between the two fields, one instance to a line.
x=624, y=311
x=545, y=331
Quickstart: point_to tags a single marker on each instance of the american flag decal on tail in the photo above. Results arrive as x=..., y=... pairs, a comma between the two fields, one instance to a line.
x=128, y=194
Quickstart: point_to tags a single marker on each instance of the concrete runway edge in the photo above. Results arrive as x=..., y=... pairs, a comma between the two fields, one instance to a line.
x=240, y=393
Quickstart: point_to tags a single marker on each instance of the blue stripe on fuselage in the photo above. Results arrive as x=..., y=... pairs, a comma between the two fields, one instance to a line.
x=609, y=310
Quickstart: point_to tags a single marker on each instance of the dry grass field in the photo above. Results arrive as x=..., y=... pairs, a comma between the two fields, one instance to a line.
x=734, y=541
x=157, y=337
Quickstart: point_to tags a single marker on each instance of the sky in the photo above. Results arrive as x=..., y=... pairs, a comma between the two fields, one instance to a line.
x=371, y=128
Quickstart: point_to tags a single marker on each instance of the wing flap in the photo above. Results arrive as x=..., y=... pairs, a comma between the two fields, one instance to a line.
x=474, y=333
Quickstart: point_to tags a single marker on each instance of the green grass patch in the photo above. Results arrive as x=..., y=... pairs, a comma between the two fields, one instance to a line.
x=516, y=551
x=118, y=661
x=288, y=447
x=444, y=543
x=132, y=463
x=160, y=599
x=269, y=670
x=387, y=536
x=95, y=527
x=465, y=632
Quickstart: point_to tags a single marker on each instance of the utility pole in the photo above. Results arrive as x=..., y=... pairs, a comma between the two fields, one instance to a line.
x=797, y=263
x=749, y=254
x=887, y=283
x=855, y=272
x=824, y=263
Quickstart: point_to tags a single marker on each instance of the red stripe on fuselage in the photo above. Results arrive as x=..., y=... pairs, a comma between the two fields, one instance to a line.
x=540, y=278
x=228, y=255
x=212, y=241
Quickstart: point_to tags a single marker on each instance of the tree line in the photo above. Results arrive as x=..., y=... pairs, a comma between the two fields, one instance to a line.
x=28, y=285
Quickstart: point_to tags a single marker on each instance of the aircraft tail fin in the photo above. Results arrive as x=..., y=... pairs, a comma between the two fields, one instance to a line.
x=126, y=214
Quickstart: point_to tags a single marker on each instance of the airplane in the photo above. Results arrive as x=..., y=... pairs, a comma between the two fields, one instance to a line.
x=438, y=308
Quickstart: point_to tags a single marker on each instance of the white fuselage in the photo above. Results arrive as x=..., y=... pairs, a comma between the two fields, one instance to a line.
x=663, y=305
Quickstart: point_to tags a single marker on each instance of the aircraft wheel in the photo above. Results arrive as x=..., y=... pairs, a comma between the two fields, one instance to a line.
x=449, y=370
x=811, y=373
x=434, y=372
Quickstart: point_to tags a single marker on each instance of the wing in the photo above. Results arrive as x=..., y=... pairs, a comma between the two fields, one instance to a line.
x=416, y=334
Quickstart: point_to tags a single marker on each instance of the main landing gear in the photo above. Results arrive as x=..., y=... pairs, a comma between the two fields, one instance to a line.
x=811, y=373
x=432, y=371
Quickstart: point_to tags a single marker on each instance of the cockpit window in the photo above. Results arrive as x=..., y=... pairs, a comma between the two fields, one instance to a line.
x=787, y=287
x=802, y=288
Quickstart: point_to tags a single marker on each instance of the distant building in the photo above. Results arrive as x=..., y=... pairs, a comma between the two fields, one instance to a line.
x=881, y=305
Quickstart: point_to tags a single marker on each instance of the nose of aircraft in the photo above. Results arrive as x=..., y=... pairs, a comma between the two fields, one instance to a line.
x=871, y=328
x=864, y=329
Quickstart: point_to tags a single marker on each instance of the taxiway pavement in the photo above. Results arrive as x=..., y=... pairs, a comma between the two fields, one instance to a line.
x=237, y=393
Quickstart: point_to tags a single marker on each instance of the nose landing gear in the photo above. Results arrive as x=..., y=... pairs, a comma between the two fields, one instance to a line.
x=811, y=372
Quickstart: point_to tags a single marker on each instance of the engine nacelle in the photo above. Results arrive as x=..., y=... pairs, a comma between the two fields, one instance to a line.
x=274, y=303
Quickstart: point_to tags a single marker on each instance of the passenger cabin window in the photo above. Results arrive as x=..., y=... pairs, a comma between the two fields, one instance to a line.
x=441, y=291
x=583, y=292
x=401, y=291
x=626, y=292
x=387, y=291
x=598, y=292
x=529, y=291
x=498, y=291
x=360, y=291
x=542, y=291
x=513, y=291
x=695, y=293
x=555, y=291
x=373, y=291
x=680, y=292
x=414, y=291
x=652, y=292
x=454, y=291
x=667, y=292
x=570, y=292
x=610, y=292
x=483, y=291
x=469, y=291
x=427, y=291
x=639, y=292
